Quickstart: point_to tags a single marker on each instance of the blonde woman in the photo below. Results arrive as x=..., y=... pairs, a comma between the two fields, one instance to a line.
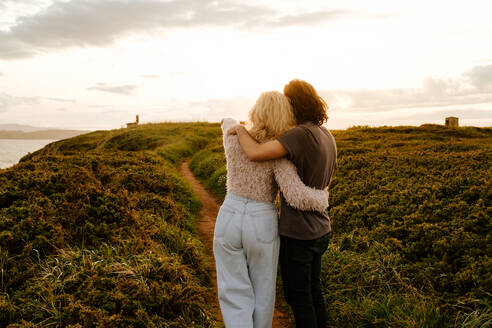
x=246, y=241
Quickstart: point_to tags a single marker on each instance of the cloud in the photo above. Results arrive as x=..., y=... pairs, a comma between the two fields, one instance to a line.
x=118, y=89
x=467, y=113
x=11, y=9
x=150, y=76
x=435, y=99
x=8, y=101
x=80, y=23
x=310, y=18
x=72, y=101
x=13, y=49
x=5, y=3
x=473, y=87
x=213, y=110
x=481, y=77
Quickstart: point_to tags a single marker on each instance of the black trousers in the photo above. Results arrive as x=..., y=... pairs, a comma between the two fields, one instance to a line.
x=300, y=265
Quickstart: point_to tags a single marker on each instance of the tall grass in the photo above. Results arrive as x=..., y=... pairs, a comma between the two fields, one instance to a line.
x=99, y=231
x=209, y=165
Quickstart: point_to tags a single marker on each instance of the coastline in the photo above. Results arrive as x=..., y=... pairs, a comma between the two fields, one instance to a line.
x=12, y=150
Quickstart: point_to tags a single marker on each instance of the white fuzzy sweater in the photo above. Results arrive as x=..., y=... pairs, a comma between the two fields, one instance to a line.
x=261, y=180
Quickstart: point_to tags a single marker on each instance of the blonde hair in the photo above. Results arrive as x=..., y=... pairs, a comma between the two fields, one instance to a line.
x=270, y=116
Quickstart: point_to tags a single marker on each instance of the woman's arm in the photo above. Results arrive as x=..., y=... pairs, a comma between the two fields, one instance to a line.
x=295, y=192
x=256, y=151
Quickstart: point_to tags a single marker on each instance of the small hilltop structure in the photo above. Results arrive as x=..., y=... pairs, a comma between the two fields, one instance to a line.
x=133, y=124
x=451, y=122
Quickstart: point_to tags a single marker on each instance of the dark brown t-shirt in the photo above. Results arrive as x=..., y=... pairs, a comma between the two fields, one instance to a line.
x=313, y=151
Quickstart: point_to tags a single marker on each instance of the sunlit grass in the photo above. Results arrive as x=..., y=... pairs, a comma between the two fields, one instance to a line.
x=99, y=230
x=411, y=226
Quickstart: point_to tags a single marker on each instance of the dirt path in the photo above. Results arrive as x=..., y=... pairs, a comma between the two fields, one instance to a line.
x=208, y=214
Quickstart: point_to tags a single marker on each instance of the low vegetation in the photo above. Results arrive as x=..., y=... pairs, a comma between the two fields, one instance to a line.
x=99, y=231
x=209, y=165
x=412, y=227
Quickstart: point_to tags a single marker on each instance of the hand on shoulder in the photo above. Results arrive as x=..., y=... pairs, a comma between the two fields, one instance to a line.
x=234, y=129
x=227, y=123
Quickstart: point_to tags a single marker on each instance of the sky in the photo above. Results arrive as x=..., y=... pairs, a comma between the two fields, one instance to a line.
x=95, y=64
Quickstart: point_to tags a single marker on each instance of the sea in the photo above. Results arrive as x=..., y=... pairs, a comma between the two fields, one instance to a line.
x=12, y=150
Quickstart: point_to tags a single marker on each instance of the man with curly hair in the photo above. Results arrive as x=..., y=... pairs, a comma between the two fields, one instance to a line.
x=304, y=235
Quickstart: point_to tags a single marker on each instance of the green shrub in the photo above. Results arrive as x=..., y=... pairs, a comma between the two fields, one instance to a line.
x=412, y=228
x=209, y=166
x=104, y=234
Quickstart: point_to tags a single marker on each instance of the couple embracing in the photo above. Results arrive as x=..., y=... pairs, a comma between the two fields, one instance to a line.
x=287, y=149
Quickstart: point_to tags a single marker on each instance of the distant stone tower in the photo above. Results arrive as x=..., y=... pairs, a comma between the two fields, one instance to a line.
x=133, y=124
x=451, y=122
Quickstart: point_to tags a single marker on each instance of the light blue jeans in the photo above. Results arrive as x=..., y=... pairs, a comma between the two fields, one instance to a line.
x=246, y=246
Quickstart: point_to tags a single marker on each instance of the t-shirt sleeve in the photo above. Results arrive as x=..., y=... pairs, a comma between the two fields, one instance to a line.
x=293, y=140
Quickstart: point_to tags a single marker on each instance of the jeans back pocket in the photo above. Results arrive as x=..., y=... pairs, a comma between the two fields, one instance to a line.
x=224, y=217
x=265, y=224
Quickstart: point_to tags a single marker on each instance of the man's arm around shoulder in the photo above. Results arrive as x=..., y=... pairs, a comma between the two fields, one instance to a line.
x=259, y=152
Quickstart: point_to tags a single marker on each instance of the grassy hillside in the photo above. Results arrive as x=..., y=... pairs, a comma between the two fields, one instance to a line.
x=98, y=231
x=411, y=214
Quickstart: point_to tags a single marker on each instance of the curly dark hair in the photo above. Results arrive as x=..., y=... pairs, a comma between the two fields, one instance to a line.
x=307, y=105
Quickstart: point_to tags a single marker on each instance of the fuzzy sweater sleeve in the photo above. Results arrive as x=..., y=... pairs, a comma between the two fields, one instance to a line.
x=295, y=192
x=227, y=123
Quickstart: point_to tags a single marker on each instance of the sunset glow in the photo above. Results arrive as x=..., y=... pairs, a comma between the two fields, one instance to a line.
x=95, y=64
